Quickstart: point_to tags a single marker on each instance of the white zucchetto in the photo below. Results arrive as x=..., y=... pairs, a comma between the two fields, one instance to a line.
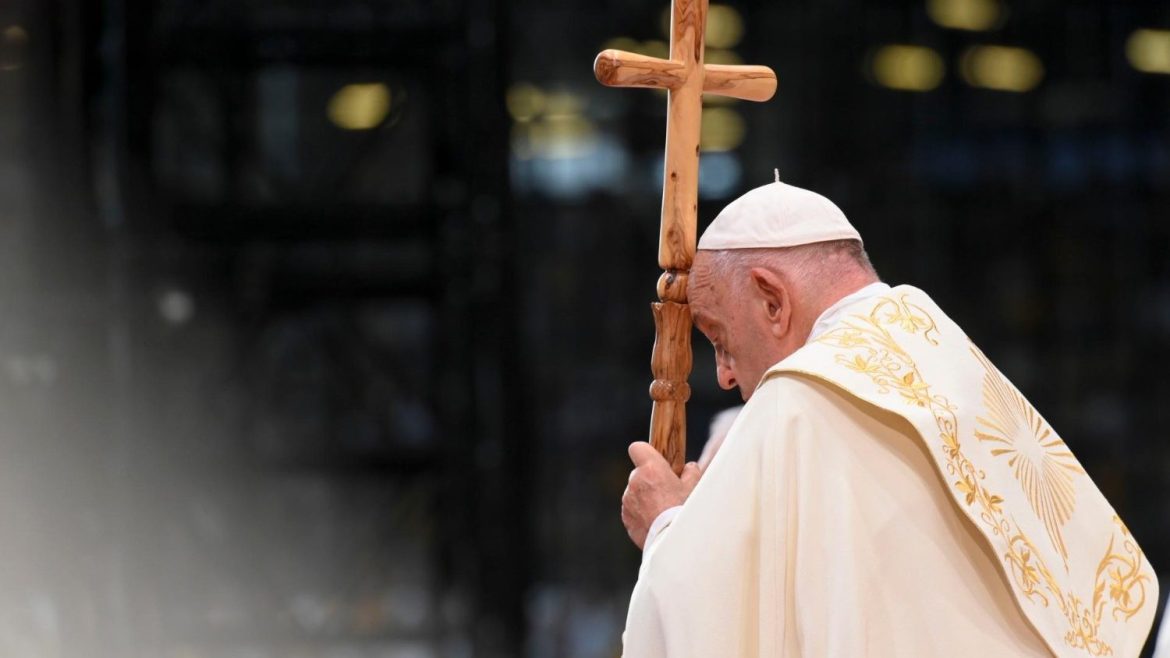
x=777, y=215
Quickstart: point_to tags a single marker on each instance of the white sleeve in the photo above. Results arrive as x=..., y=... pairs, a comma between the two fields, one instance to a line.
x=660, y=524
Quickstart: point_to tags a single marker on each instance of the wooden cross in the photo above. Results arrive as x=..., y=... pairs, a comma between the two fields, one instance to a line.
x=686, y=78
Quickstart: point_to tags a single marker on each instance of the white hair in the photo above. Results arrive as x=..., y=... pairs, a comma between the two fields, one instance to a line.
x=809, y=266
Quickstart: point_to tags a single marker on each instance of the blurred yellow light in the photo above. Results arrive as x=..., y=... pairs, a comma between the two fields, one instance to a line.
x=12, y=42
x=655, y=48
x=719, y=56
x=715, y=100
x=1001, y=68
x=1149, y=50
x=554, y=137
x=722, y=129
x=621, y=43
x=562, y=104
x=525, y=101
x=568, y=127
x=724, y=26
x=973, y=15
x=908, y=68
x=359, y=106
x=15, y=34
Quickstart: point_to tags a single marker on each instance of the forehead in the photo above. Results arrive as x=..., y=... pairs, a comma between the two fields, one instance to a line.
x=703, y=291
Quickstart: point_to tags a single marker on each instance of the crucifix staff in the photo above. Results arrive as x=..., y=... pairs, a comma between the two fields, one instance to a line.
x=686, y=78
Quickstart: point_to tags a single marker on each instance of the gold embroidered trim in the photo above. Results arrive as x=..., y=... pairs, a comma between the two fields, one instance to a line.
x=1040, y=460
x=874, y=352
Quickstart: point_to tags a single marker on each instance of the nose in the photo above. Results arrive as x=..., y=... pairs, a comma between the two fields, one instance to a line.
x=725, y=375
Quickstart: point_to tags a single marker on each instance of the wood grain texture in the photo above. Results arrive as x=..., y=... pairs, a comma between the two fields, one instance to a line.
x=671, y=364
x=686, y=78
x=749, y=83
x=680, y=178
x=672, y=286
x=618, y=68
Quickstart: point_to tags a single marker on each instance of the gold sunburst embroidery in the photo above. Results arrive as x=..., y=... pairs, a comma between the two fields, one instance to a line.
x=1123, y=574
x=1039, y=459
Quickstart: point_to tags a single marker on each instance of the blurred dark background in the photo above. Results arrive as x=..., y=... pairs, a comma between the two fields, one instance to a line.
x=325, y=324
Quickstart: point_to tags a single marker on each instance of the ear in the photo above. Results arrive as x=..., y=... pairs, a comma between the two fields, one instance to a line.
x=775, y=299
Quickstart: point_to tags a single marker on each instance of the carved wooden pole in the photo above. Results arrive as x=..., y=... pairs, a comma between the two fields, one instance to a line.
x=686, y=78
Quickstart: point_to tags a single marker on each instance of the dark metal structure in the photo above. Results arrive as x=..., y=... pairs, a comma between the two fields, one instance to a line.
x=300, y=423
x=271, y=386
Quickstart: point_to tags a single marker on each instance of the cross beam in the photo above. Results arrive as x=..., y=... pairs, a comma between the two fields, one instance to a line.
x=686, y=78
x=618, y=68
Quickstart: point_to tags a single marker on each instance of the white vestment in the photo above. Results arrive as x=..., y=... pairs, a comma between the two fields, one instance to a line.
x=885, y=492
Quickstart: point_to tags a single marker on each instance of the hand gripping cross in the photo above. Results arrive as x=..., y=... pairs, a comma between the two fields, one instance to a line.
x=686, y=78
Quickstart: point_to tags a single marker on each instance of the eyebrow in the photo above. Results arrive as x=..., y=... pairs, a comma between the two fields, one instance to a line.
x=700, y=318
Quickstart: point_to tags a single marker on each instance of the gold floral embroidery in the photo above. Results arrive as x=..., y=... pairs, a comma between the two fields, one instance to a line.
x=1120, y=581
x=1121, y=574
x=1040, y=460
x=1127, y=581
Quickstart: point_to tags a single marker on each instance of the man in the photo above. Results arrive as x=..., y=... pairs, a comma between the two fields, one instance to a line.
x=885, y=491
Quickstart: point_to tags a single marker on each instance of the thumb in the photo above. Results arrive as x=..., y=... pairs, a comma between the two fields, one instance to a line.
x=690, y=475
x=642, y=453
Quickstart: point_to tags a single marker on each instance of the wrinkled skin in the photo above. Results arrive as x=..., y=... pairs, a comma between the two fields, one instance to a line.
x=754, y=318
x=653, y=488
x=750, y=331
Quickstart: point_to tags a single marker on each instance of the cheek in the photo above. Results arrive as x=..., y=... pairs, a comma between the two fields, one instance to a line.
x=758, y=353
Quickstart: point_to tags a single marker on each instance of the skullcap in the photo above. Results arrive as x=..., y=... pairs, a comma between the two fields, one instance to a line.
x=777, y=215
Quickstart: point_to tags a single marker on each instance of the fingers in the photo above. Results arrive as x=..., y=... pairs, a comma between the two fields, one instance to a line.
x=652, y=488
x=642, y=453
x=634, y=529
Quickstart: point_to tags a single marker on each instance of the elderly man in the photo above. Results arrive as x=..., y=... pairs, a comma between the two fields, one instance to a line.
x=885, y=491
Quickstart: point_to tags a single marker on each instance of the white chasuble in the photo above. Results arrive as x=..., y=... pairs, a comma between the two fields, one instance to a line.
x=887, y=492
